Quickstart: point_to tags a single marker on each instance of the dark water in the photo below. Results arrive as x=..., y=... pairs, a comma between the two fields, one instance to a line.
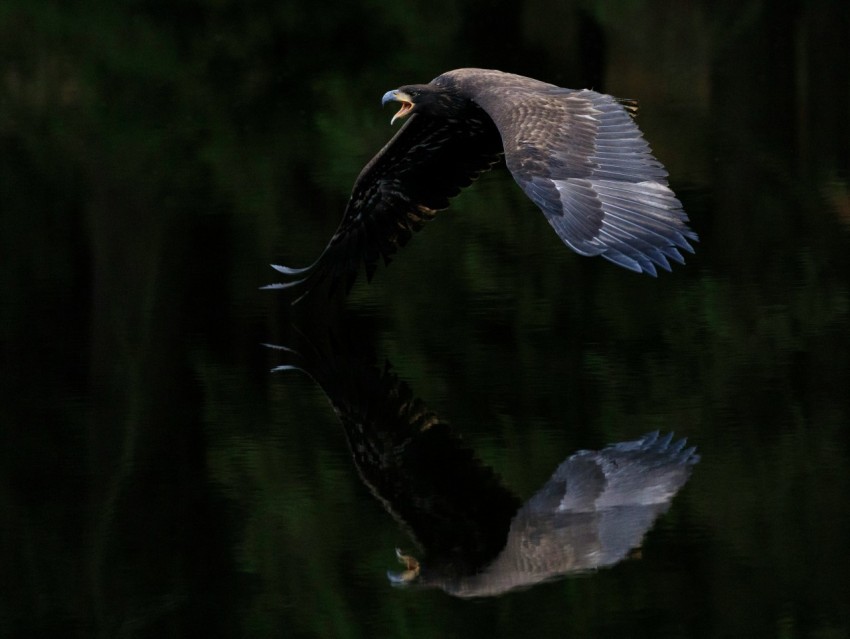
x=157, y=480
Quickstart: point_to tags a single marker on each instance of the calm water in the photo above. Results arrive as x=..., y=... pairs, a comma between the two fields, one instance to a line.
x=157, y=480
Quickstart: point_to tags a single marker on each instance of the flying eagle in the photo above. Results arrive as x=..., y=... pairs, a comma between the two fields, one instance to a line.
x=577, y=154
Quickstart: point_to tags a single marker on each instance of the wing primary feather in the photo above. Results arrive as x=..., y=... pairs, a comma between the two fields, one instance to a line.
x=613, y=196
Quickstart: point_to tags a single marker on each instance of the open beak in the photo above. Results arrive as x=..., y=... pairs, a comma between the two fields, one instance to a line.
x=411, y=569
x=398, y=96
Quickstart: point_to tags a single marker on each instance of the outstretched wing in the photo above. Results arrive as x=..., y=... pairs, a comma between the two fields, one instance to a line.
x=582, y=159
x=425, y=164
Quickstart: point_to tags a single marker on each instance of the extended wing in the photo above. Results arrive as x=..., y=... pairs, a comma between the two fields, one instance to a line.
x=426, y=163
x=582, y=159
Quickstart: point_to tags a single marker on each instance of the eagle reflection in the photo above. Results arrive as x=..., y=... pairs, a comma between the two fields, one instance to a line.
x=475, y=536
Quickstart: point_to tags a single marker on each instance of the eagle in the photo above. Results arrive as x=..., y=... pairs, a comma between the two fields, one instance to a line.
x=577, y=154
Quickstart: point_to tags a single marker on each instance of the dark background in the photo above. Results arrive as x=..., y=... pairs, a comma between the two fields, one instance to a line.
x=156, y=480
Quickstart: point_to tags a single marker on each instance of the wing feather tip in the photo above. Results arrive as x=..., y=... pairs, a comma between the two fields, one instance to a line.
x=279, y=286
x=286, y=270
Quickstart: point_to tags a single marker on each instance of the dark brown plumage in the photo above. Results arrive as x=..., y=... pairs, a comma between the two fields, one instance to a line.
x=577, y=154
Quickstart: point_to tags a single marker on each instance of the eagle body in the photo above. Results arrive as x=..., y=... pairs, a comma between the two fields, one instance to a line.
x=577, y=154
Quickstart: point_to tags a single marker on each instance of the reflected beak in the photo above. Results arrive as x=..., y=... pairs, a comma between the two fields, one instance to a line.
x=398, y=96
x=410, y=573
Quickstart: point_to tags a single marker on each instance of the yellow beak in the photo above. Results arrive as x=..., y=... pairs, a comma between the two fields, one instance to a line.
x=398, y=96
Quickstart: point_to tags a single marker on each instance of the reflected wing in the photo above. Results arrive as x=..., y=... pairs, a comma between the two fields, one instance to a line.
x=452, y=504
x=649, y=470
x=425, y=164
x=595, y=508
x=582, y=159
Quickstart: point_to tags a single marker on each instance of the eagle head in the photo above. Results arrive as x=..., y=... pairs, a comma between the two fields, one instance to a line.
x=417, y=98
